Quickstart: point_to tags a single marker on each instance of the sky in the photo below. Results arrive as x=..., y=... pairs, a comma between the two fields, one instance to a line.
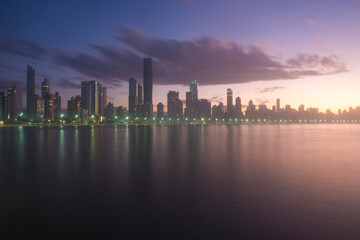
x=303, y=52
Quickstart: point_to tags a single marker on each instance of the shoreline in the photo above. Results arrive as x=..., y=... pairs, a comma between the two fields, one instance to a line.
x=179, y=124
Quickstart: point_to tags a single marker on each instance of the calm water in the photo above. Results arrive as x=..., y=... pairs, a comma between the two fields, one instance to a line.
x=269, y=182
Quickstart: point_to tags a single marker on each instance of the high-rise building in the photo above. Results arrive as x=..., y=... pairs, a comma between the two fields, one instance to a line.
x=133, y=97
x=3, y=106
x=229, y=101
x=251, y=110
x=160, y=110
x=192, y=101
x=57, y=105
x=140, y=95
x=148, y=87
x=174, y=105
x=102, y=99
x=94, y=102
x=74, y=108
x=194, y=89
x=39, y=107
x=89, y=98
x=45, y=88
x=238, y=107
x=85, y=95
x=48, y=99
x=278, y=105
x=204, y=109
x=191, y=105
x=49, y=107
x=14, y=101
x=30, y=93
x=110, y=112
x=218, y=111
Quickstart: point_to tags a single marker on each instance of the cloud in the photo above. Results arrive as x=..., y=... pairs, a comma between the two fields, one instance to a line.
x=211, y=61
x=328, y=64
x=22, y=47
x=319, y=24
x=271, y=89
x=260, y=101
x=67, y=83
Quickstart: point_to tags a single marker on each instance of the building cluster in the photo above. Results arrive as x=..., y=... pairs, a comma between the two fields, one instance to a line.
x=140, y=98
x=92, y=105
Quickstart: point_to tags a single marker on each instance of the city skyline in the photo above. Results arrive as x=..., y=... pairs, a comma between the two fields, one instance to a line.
x=93, y=106
x=308, y=60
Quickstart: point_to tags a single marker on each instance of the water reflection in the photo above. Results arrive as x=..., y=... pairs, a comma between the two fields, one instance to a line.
x=220, y=180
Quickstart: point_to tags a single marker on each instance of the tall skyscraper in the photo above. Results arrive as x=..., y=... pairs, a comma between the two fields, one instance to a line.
x=229, y=101
x=39, y=107
x=3, y=106
x=45, y=88
x=192, y=101
x=94, y=102
x=133, y=96
x=89, y=98
x=48, y=99
x=174, y=105
x=14, y=101
x=57, y=105
x=140, y=95
x=238, y=111
x=30, y=93
x=194, y=89
x=148, y=87
x=102, y=99
x=278, y=105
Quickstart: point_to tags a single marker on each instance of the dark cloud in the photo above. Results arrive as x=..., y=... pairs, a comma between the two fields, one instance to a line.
x=67, y=83
x=22, y=47
x=271, y=89
x=110, y=66
x=313, y=61
x=210, y=61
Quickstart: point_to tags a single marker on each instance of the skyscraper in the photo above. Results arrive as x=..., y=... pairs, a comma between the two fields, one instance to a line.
x=57, y=105
x=73, y=108
x=3, y=106
x=30, y=93
x=14, y=101
x=140, y=95
x=194, y=89
x=204, y=109
x=89, y=98
x=238, y=112
x=278, y=105
x=230, y=106
x=48, y=99
x=160, y=110
x=133, y=96
x=45, y=88
x=174, y=105
x=102, y=99
x=94, y=102
x=192, y=101
x=148, y=87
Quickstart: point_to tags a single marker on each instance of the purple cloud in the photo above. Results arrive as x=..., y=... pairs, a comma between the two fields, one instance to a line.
x=271, y=89
x=211, y=61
